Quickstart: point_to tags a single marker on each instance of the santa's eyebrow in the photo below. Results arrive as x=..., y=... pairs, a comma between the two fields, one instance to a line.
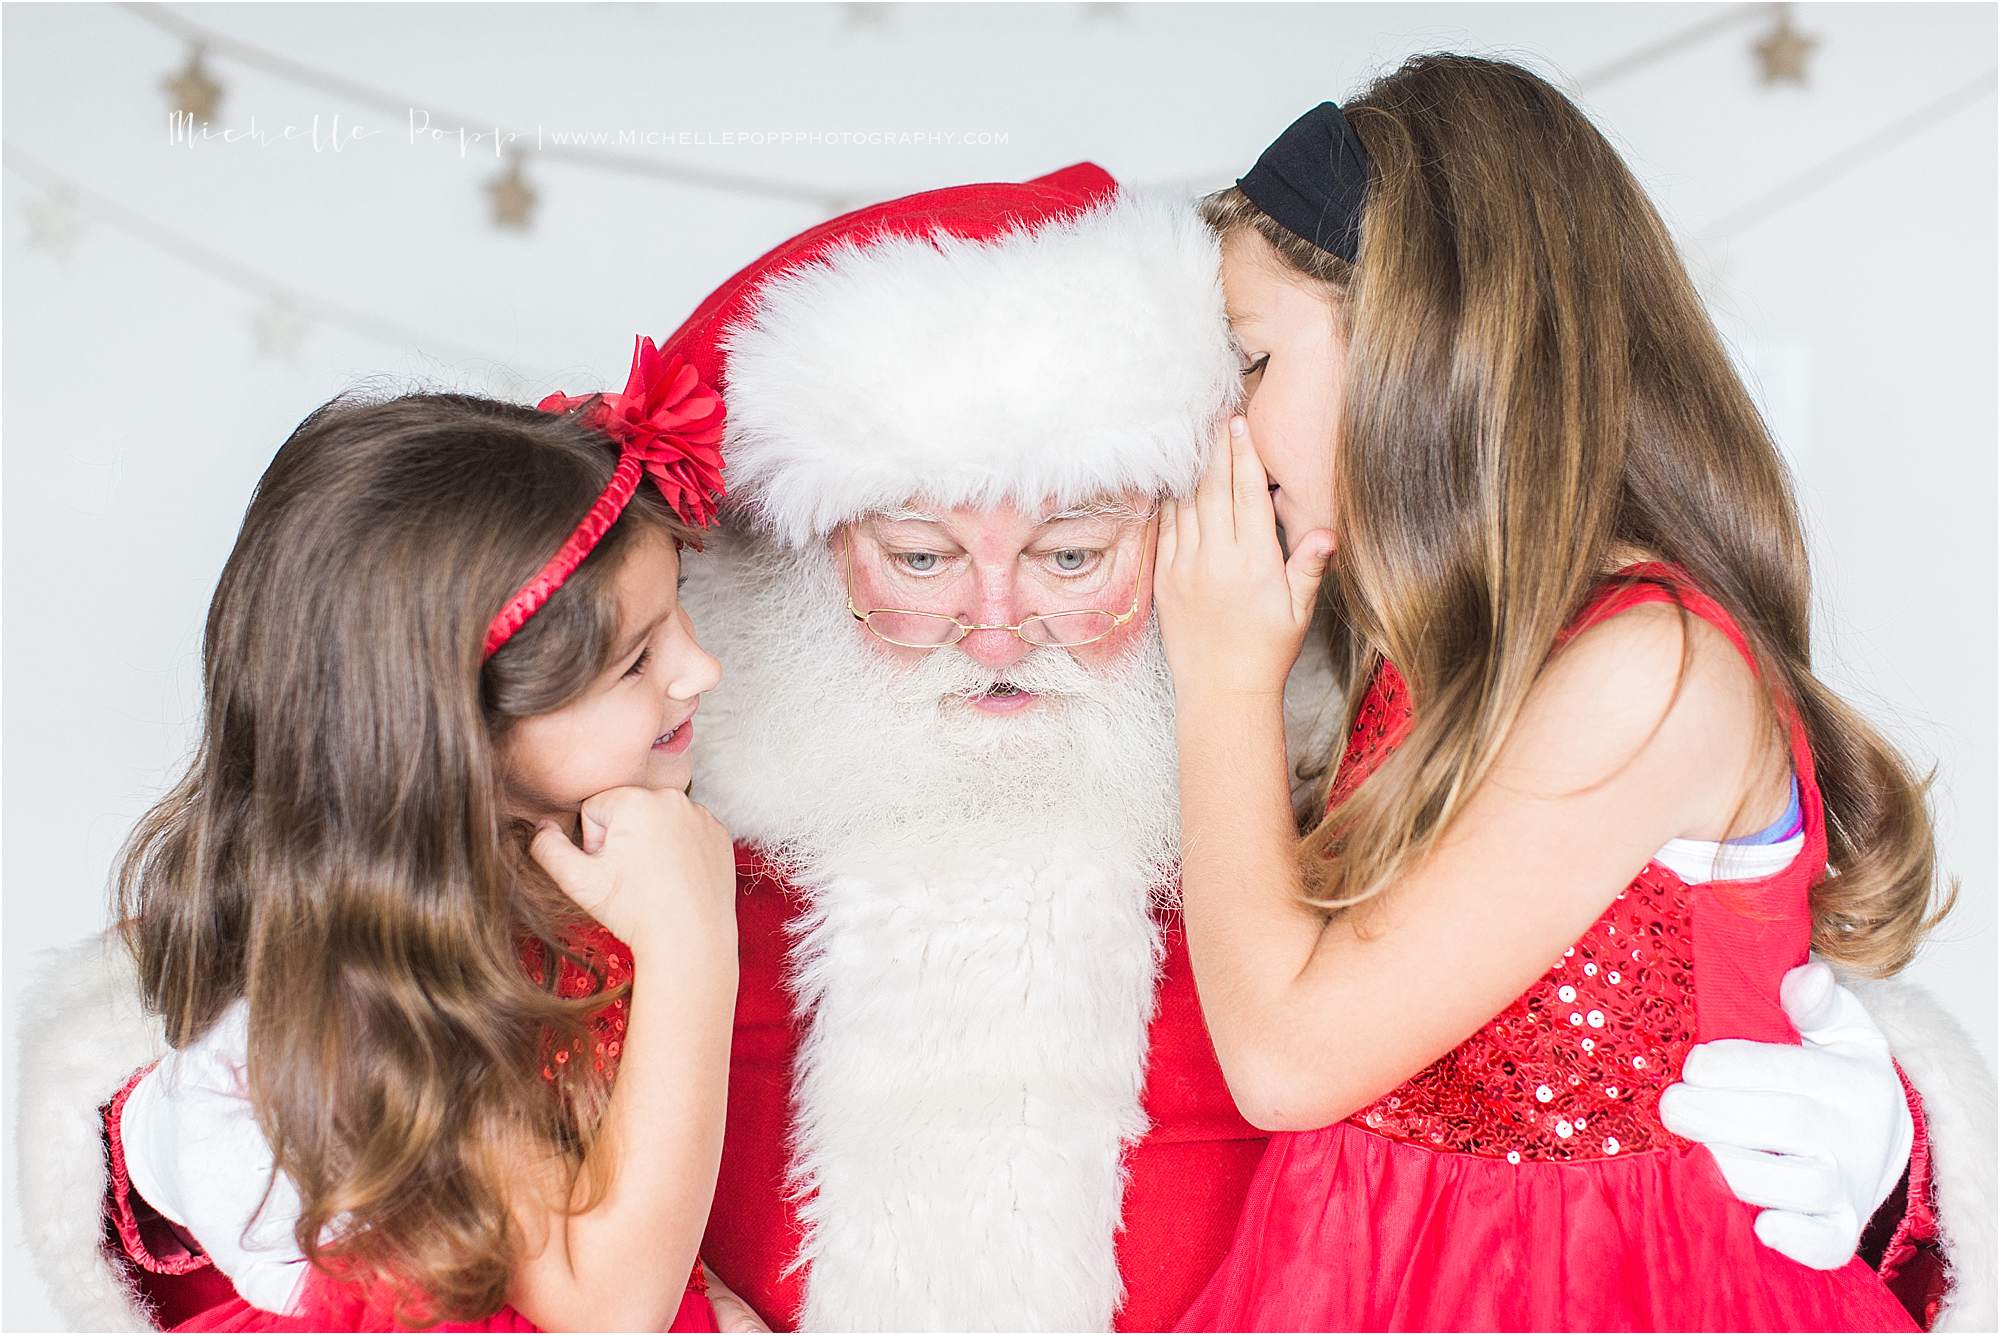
x=1094, y=510
x=1100, y=509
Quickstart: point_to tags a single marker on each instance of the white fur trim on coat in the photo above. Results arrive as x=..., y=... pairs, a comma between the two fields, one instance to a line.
x=83, y=1033
x=969, y=1081
x=1959, y=1112
x=1083, y=356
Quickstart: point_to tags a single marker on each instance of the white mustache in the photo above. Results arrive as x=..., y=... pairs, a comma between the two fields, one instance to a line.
x=951, y=673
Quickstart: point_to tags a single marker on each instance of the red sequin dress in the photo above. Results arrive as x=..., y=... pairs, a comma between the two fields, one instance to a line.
x=186, y=1291
x=1524, y=1181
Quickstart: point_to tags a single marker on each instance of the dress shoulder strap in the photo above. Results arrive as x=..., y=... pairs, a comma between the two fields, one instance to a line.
x=1661, y=581
x=1657, y=582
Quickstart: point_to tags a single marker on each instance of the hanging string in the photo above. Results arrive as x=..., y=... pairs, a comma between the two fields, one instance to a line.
x=828, y=203
x=373, y=326
x=1590, y=81
x=235, y=274
x=376, y=99
x=1652, y=53
x=1817, y=177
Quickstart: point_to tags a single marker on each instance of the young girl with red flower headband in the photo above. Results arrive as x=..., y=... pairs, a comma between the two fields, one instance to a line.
x=445, y=954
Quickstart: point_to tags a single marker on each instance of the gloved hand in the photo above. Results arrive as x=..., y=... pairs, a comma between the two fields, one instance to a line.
x=1818, y=1134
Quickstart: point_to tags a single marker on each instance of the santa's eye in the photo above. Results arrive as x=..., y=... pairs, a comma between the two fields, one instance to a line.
x=1073, y=560
x=918, y=563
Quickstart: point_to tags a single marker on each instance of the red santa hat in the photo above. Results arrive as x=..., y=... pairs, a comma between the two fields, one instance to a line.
x=1048, y=340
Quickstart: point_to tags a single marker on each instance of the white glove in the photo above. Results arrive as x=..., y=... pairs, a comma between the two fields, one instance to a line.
x=1818, y=1135
x=197, y=1154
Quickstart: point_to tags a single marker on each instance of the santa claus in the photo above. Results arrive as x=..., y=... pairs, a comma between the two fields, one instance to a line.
x=970, y=1086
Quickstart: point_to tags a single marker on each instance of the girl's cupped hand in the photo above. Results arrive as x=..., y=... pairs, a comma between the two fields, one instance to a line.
x=1233, y=610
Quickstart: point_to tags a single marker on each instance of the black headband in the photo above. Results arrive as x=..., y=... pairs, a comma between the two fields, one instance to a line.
x=1311, y=180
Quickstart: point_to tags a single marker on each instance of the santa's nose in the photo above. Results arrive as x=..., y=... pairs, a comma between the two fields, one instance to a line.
x=996, y=605
x=994, y=648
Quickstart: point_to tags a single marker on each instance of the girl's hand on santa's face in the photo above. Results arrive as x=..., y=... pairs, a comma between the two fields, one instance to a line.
x=1233, y=610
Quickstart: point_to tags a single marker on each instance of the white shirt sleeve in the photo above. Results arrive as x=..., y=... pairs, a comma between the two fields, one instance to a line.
x=197, y=1155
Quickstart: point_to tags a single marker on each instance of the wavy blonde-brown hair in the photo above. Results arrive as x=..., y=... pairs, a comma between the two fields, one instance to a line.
x=340, y=850
x=1532, y=384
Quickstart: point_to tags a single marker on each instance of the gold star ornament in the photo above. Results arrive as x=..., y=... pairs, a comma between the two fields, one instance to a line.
x=513, y=198
x=194, y=94
x=1783, y=51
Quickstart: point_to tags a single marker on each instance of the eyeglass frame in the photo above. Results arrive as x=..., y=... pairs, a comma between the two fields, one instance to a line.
x=1118, y=619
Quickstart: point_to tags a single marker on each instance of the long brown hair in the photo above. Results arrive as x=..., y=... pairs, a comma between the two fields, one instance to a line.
x=1532, y=384
x=339, y=851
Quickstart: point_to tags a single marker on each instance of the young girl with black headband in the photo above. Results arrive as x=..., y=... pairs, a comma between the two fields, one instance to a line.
x=445, y=954
x=1593, y=804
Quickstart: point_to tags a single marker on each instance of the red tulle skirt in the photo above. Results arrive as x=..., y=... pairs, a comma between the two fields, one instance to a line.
x=1344, y=1229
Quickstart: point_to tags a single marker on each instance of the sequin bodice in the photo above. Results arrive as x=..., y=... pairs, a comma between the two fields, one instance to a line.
x=1573, y=1069
x=609, y=965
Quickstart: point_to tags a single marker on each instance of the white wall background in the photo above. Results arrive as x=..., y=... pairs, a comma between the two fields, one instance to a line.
x=138, y=411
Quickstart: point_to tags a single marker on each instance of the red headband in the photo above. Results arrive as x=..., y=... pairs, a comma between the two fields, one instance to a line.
x=668, y=425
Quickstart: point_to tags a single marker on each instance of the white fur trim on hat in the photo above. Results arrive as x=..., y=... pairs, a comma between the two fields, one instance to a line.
x=1084, y=356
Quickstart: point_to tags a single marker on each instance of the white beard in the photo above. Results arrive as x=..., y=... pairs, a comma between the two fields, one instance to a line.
x=977, y=964
x=815, y=744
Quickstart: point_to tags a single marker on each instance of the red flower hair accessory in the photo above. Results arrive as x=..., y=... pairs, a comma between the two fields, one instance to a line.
x=668, y=425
